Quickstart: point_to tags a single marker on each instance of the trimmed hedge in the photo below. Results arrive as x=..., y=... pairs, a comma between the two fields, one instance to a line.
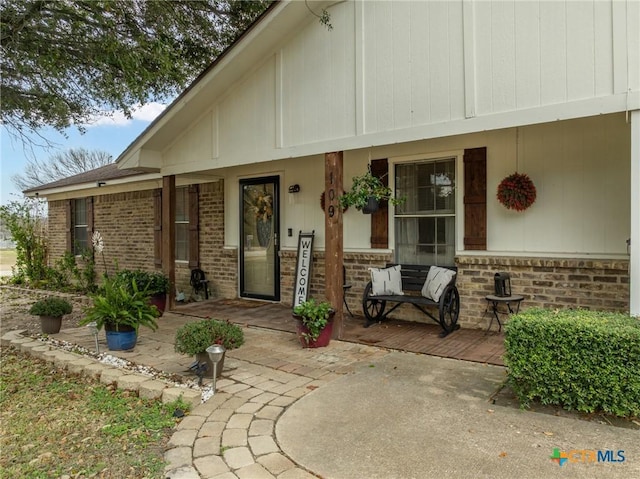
x=577, y=359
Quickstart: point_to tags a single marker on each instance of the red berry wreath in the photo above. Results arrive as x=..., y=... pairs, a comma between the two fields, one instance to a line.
x=517, y=192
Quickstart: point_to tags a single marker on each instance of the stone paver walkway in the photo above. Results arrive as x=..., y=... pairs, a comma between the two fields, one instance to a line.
x=232, y=435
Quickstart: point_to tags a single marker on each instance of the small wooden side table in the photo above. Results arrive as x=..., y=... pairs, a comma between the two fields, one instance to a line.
x=493, y=303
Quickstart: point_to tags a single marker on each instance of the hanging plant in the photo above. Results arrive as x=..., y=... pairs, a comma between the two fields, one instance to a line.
x=517, y=192
x=365, y=186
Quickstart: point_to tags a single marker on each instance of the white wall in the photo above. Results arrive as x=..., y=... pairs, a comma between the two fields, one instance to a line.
x=580, y=169
x=396, y=72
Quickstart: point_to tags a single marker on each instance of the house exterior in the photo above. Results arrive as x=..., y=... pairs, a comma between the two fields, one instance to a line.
x=441, y=99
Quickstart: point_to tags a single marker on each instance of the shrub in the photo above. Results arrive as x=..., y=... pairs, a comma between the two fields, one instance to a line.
x=52, y=306
x=578, y=359
x=197, y=336
x=153, y=282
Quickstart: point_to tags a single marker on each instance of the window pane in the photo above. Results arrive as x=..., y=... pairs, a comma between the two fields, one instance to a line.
x=426, y=237
x=80, y=212
x=80, y=242
x=182, y=241
x=182, y=204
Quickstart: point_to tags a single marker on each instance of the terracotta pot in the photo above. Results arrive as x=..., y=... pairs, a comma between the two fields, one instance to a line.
x=204, y=358
x=159, y=301
x=50, y=324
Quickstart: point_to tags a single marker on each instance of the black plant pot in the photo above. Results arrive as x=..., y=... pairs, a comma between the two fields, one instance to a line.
x=371, y=206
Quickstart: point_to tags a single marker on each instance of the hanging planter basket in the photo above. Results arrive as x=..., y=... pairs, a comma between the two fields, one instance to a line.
x=516, y=192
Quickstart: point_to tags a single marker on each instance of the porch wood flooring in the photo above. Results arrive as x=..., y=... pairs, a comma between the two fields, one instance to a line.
x=467, y=344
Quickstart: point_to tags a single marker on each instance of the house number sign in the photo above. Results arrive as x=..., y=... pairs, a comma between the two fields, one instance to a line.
x=331, y=210
x=304, y=263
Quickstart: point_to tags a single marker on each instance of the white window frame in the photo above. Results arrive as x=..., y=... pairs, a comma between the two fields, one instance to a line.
x=459, y=192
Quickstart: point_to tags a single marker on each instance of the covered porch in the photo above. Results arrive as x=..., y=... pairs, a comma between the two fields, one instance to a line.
x=466, y=344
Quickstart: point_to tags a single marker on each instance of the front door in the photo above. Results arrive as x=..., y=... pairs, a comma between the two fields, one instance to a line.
x=259, y=228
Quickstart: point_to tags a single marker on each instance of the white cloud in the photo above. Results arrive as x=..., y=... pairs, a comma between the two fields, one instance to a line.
x=147, y=112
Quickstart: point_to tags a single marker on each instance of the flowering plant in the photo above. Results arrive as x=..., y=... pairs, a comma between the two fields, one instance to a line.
x=517, y=192
x=98, y=247
x=262, y=204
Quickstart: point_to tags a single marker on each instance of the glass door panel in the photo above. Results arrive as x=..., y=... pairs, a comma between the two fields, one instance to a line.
x=259, y=227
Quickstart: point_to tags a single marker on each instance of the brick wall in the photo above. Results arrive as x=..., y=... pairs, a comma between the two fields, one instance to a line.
x=544, y=282
x=357, y=273
x=125, y=221
x=219, y=264
x=57, y=230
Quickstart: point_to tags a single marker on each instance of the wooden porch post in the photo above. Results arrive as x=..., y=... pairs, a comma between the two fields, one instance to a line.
x=634, y=257
x=169, y=235
x=333, y=237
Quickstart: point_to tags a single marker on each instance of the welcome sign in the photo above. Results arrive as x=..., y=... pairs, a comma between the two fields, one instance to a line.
x=303, y=268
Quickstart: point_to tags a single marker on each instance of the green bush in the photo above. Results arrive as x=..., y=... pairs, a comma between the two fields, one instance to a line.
x=152, y=281
x=51, y=306
x=195, y=337
x=577, y=359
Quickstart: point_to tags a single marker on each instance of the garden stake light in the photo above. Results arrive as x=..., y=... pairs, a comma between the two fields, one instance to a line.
x=215, y=352
x=93, y=329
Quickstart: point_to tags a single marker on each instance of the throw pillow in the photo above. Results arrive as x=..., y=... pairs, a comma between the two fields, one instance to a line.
x=437, y=280
x=386, y=281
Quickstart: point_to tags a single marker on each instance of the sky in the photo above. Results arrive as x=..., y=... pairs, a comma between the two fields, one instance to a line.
x=111, y=133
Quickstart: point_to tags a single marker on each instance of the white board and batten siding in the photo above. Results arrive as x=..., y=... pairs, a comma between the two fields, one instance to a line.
x=391, y=72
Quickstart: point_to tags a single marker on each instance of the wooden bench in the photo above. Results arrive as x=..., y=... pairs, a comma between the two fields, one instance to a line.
x=413, y=278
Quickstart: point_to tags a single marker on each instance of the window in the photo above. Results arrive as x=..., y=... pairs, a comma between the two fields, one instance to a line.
x=80, y=226
x=425, y=223
x=182, y=224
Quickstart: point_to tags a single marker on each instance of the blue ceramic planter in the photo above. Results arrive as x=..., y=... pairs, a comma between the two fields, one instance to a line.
x=121, y=340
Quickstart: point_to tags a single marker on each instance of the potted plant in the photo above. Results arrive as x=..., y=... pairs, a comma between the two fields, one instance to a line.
x=195, y=337
x=366, y=193
x=155, y=283
x=121, y=310
x=51, y=310
x=314, y=323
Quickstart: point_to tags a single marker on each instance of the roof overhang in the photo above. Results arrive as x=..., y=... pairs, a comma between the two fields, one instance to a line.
x=260, y=40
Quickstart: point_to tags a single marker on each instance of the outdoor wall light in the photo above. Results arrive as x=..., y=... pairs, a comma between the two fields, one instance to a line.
x=93, y=329
x=215, y=352
x=294, y=188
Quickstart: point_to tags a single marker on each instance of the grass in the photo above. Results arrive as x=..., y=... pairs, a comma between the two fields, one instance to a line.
x=55, y=423
x=7, y=259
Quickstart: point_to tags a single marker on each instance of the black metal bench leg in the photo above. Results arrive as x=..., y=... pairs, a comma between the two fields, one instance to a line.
x=344, y=300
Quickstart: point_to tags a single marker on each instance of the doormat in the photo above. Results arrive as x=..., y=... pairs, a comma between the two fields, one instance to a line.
x=239, y=303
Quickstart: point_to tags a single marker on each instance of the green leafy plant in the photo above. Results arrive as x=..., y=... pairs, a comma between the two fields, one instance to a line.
x=195, y=337
x=153, y=282
x=314, y=317
x=26, y=222
x=51, y=306
x=118, y=307
x=364, y=187
x=578, y=359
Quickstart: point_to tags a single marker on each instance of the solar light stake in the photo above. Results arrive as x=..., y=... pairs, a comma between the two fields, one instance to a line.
x=215, y=352
x=93, y=329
